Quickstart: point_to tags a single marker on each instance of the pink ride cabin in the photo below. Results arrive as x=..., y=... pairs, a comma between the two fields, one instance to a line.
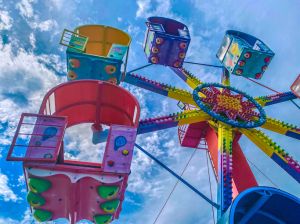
x=77, y=190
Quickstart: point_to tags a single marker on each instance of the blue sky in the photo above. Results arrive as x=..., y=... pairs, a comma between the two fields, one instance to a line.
x=32, y=62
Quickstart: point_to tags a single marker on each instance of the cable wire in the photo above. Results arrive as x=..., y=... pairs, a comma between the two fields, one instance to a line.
x=262, y=173
x=203, y=64
x=178, y=177
x=273, y=90
x=174, y=187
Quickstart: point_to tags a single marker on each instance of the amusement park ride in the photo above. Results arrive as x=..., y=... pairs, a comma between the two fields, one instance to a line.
x=214, y=112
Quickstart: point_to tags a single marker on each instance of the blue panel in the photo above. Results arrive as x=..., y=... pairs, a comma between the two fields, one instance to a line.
x=180, y=74
x=263, y=205
x=145, y=128
x=286, y=97
x=143, y=84
x=93, y=67
x=286, y=167
x=166, y=48
x=293, y=134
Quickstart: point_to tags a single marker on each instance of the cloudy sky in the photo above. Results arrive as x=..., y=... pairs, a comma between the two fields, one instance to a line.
x=32, y=62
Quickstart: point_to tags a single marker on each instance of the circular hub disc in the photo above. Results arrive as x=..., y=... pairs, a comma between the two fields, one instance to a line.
x=229, y=105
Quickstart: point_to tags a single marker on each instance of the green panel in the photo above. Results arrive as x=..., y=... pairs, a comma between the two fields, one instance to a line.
x=42, y=215
x=108, y=192
x=35, y=200
x=102, y=219
x=38, y=185
x=110, y=206
x=78, y=42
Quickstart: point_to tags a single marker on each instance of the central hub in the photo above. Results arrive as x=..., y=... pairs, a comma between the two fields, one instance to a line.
x=229, y=102
x=229, y=105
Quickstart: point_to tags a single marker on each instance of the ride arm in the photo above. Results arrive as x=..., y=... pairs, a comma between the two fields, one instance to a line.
x=281, y=127
x=172, y=120
x=275, y=98
x=187, y=77
x=160, y=88
x=275, y=152
x=169, y=121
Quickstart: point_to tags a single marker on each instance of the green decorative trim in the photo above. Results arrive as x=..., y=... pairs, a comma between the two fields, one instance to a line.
x=42, y=215
x=38, y=185
x=108, y=192
x=35, y=200
x=102, y=219
x=110, y=206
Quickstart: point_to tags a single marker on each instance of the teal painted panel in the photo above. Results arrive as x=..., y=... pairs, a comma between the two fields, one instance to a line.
x=117, y=51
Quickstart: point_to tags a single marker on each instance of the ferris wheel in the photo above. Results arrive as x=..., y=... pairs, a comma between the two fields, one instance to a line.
x=212, y=117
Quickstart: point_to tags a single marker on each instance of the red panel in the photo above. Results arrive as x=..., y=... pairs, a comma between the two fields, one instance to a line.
x=79, y=199
x=241, y=173
x=66, y=95
x=295, y=88
x=193, y=134
x=91, y=101
x=212, y=143
x=81, y=113
x=57, y=197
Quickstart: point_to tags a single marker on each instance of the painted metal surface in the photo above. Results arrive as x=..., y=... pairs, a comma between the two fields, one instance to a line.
x=166, y=41
x=245, y=55
x=295, y=87
x=119, y=149
x=37, y=138
x=263, y=205
x=229, y=105
x=97, y=53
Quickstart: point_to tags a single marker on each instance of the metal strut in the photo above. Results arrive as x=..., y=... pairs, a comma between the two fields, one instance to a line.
x=139, y=68
x=203, y=64
x=178, y=177
x=273, y=90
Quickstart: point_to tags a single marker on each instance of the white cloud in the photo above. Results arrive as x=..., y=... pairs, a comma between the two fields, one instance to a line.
x=28, y=79
x=5, y=191
x=32, y=40
x=25, y=8
x=46, y=25
x=147, y=8
x=133, y=30
x=143, y=7
x=58, y=4
x=5, y=20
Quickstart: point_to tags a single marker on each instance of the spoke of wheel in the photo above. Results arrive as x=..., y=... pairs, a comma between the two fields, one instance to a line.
x=172, y=120
x=191, y=80
x=274, y=151
x=174, y=187
x=160, y=88
x=282, y=128
x=273, y=90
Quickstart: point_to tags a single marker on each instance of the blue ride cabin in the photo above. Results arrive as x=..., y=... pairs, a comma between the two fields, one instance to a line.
x=244, y=55
x=96, y=52
x=166, y=41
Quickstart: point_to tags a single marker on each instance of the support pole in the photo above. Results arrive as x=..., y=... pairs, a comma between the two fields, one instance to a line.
x=178, y=177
